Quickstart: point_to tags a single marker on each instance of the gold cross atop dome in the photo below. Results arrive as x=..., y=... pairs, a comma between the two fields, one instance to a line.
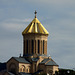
x=35, y=13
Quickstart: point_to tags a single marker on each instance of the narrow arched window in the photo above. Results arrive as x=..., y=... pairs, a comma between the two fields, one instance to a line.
x=43, y=46
x=27, y=46
x=27, y=70
x=23, y=69
x=38, y=46
x=32, y=46
x=35, y=46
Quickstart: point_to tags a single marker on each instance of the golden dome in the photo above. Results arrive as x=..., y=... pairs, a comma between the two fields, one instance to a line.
x=35, y=27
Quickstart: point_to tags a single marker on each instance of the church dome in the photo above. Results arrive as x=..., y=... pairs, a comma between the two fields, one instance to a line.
x=35, y=27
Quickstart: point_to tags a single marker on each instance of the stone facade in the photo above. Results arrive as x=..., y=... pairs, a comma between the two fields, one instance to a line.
x=35, y=44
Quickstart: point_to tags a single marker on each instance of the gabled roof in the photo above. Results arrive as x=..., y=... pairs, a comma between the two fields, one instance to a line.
x=35, y=27
x=51, y=62
x=44, y=61
x=21, y=60
x=48, y=62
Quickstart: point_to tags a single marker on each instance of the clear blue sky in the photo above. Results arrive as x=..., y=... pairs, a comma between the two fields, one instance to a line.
x=57, y=16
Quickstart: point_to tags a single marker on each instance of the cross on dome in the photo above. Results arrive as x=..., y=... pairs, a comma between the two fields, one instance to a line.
x=35, y=13
x=35, y=27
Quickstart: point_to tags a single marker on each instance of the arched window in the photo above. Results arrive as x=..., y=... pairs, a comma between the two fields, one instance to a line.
x=38, y=46
x=22, y=68
x=32, y=46
x=43, y=46
x=27, y=47
x=27, y=70
x=35, y=46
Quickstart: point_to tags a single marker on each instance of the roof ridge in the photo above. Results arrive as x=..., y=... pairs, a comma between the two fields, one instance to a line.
x=47, y=61
x=52, y=62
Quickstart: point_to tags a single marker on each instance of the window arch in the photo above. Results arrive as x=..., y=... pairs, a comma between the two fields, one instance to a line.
x=22, y=68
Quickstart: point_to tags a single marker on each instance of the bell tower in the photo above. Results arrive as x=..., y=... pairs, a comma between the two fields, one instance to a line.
x=34, y=59
x=35, y=38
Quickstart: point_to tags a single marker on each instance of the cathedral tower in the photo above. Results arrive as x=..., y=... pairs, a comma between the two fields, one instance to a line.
x=34, y=59
x=35, y=38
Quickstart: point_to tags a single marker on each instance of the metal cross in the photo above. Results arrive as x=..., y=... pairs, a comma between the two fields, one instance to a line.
x=35, y=13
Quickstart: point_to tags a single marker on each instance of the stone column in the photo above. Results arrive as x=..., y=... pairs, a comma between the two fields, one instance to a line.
x=39, y=46
x=46, y=47
x=29, y=48
x=36, y=47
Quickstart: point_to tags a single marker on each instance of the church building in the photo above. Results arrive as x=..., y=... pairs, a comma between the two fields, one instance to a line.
x=34, y=59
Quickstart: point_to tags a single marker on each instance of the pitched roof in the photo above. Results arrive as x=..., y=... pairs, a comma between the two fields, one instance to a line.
x=21, y=60
x=48, y=62
x=35, y=27
x=51, y=62
x=23, y=73
x=44, y=61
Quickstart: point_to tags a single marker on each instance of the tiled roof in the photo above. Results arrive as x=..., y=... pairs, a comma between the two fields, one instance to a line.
x=45, y=60
x=21, y=60
x=51, y=62
x=48, y=62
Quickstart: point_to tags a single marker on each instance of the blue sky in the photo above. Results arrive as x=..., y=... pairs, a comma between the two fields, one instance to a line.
x=57, y=16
